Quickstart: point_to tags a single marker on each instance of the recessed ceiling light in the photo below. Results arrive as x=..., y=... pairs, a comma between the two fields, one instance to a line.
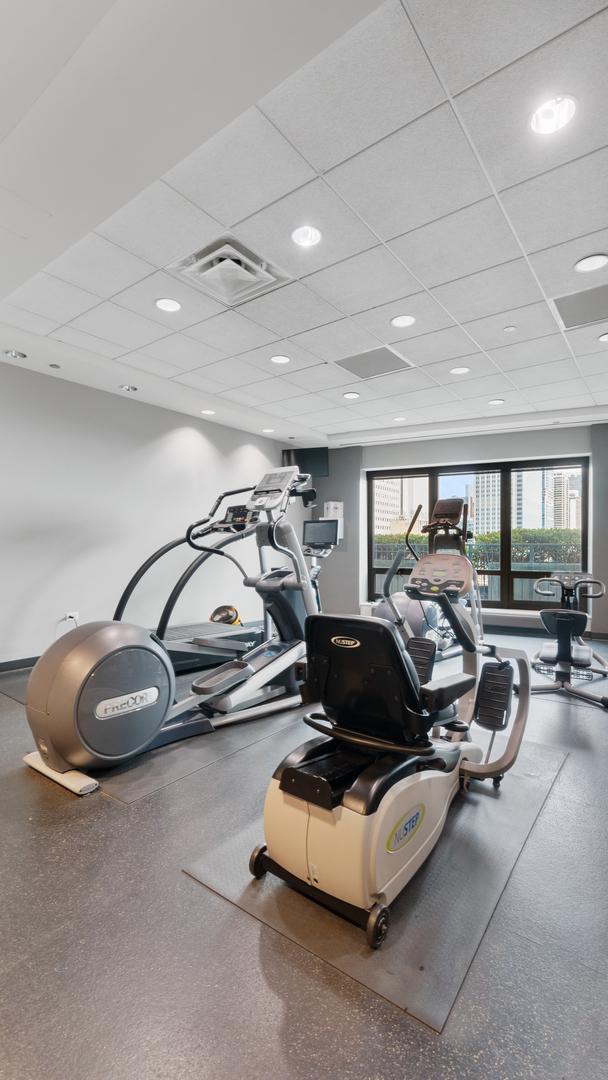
x=306, y=236
x=459, y=370
x=207, y=412
x=352, y=395
x=15, y=354
x=604, y=338
x=509, y=329
x=496, y=401
x=166, y=304
x=403, y=320
x=399, y=419
x=281, y=359
x=267, y=430
x=128, y=388
x=590, y=263
x=553, y=115
x=55, y=365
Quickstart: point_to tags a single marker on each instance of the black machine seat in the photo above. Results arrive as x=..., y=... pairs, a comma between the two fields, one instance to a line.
x=361, y=672
x=566, y=626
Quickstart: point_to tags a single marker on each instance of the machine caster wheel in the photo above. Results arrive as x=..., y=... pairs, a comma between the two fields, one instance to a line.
x=256, y=861
x=496, y=782
x=377, y=925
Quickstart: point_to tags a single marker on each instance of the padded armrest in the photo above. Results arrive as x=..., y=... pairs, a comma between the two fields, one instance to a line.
x=439, y=693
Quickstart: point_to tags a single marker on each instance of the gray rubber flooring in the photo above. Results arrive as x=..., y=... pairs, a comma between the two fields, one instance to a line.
x=114, y=964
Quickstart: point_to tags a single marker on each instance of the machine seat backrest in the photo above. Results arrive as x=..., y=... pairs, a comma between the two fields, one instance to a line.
x=359, y=670
x=556, y=619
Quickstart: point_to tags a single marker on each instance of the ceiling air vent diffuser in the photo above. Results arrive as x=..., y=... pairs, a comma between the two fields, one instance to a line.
x=228, y=271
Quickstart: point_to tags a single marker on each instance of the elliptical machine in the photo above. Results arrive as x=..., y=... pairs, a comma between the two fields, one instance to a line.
x=568, y=657
x=419, y=618
x=105, y=692
x=350, y=816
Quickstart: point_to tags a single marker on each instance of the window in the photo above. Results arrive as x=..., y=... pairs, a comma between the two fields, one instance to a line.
x=528, y=519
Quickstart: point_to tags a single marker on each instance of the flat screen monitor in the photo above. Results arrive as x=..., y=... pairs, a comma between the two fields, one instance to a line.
x=321, y=534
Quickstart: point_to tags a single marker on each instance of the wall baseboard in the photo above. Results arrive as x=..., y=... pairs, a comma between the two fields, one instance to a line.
x=15, y=665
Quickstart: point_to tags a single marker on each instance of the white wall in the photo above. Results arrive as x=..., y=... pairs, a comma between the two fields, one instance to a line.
x=478, y=449
x=91, y=484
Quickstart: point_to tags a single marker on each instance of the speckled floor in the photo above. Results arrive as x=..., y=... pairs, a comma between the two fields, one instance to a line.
x=116, y=965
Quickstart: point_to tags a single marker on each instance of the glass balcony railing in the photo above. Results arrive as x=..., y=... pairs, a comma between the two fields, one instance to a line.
x=536, y=556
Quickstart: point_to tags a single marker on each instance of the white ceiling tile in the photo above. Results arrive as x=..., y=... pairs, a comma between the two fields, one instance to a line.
x=234, y=373
x=582, y=401
x=142, y=298
x=451, y=410
x=141, y=362
x=531, y=321
x=366, y=410
x=398, y=382
x=564, y=389
x=363, y=281
x=460, y=243
x=113, y=323
x=479, y=364
x=232, y=332
x=183, y=352
x=268, y=233
x=596, y=382
x=469, y=39
x=497, y=112
x=585, y=339
x=246, y=166
x=595, y=364
x=489, y=291
x=419, y=399
x=374, y=79
x=299, y=358
x=527, y=354
x=441, y=345
x=278, y=408
x=263, y=393
x=337, y=340
x=99, y=266
x=321, y=377
x=600, y=397
x=160, y=226
x=554, y=266
x=330, y=416
x=306, y=403
x=561, y=204
x=87, y=341
x=53, y=299
x=26, y=320
x=198, y=380
x=418, y=174
x=487, y=385
x=545, y=375
x=429, y=315
x=290, y=310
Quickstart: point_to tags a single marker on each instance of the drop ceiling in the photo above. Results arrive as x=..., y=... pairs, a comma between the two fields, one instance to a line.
x=407, y=143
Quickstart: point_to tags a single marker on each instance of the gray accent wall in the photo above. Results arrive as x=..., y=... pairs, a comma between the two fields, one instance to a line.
x=91, y=484
x=344, y=584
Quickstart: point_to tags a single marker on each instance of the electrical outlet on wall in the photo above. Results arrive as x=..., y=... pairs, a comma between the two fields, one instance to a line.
x=71, y=616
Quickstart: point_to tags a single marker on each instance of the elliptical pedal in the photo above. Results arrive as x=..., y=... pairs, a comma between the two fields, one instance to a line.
x=494, y=694
x=422, y=652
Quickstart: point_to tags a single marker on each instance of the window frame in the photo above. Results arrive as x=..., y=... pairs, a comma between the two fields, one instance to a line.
x=506, y=574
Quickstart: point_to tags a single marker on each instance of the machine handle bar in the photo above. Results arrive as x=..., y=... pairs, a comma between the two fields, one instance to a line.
x=409, y=530
x=321, y=723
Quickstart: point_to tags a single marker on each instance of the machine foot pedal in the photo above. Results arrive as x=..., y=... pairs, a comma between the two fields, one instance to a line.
x=422, y=652
x=493, y=702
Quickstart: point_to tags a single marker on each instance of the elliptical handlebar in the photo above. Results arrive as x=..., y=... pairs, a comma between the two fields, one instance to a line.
x=220, y=499
x=409, y=532
x=552, y=591
x=559, y=588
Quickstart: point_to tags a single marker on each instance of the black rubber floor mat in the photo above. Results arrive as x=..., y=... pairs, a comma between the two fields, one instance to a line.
x=438, y=921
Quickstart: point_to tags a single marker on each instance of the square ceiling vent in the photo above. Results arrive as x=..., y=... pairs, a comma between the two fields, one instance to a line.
x=227, y=271
x=582, y=308
x=381, y=361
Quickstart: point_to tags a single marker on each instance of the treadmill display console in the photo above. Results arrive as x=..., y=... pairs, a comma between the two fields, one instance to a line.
x=441, y=574
x=240, y=516
x=272, y=487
